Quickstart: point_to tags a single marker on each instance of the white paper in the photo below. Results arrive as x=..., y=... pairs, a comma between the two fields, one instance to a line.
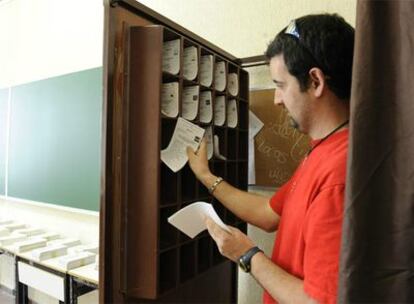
x=232, y=116
x=171, y=56
x=190, y=60
x=169, y=99
x=209, y=138
x=190, y=102
x=206, y=107
x=220, y=110
x=220, y=76
x=206, y=70
x=190, y=219
x=186, y=134
x=255, y=125
x=233, y=84
x=217, y=153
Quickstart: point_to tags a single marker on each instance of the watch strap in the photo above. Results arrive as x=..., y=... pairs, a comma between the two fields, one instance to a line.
x=245, y=259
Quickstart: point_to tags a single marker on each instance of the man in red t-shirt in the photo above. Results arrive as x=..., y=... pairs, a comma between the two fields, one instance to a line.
x=311, y=65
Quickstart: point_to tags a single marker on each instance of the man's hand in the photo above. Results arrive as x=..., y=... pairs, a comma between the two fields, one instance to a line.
x=230, y=244
x=198, y=161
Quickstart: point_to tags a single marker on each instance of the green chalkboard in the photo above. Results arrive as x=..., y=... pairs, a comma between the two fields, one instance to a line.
x=4, y=95
x=55, y=140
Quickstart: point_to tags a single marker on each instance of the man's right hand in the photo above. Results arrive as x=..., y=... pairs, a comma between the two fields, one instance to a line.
x=198, y=160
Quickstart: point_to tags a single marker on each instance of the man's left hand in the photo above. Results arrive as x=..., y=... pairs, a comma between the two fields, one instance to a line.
x=231, y=244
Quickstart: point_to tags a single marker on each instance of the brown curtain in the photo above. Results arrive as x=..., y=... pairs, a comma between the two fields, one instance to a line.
x=377, y=254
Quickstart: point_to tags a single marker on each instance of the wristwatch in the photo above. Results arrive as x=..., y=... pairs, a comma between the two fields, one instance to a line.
x=244, y=260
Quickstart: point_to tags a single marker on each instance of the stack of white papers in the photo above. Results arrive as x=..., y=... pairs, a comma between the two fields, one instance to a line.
x=186, y=134
x=72, y=261
x=190, y=102
x=14, y=226
x=31, y=231
x=50, y=236
x=190, y=67
x=49, y=252
x=219, y=110
x=171, y=57
x=4, y=231
x=30, y=244
x=233, y=84
x=220, y=76
x=206, y=107
x=209, y=138
x=169, y=99
x=206, y=70
x=232, y=117
x=69, y=242
x=10, y=239
x=82, y=248
x=217, y=153
x=190, y=220
x=5, y=221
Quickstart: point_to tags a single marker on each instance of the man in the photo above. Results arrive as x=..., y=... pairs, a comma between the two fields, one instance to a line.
x=311, y=65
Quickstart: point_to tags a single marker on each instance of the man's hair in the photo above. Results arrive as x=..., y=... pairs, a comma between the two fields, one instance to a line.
x=325, y=41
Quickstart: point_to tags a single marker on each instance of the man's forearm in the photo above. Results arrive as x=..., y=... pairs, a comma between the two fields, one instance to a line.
x=251, y=208
x=282, y=286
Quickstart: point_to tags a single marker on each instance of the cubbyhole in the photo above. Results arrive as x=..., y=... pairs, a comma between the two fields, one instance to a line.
x=171, y=36
x=188, y=184
x=202, y=191
x=167, y=130
x=231, y=144
x=191, y=58
x=244, y=84
x=243, y=115
x=243, y=145
x=187, y=262
x=168, y=233
x=231, y=218
x=233, y=82
x=232, y=173
x=206, y=74
x=204, y=246
x=219, y=169
x=220, y=75
x=217, y=257
x=169, y=185
x=220, y=209
x=243, y=175
x=168, y=270
x=220, y=132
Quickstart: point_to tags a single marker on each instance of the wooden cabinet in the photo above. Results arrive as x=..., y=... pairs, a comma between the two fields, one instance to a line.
x=149, y=259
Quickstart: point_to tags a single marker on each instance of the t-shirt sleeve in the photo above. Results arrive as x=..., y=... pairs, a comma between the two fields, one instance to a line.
x=322, y=236
x=276, y=201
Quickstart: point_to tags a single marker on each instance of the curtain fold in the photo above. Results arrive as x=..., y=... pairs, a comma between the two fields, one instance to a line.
x=377, y=253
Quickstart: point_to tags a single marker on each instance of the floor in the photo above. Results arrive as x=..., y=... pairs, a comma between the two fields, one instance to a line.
x=5, y=297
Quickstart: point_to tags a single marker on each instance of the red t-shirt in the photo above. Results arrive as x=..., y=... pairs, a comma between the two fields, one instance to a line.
x=310, y=206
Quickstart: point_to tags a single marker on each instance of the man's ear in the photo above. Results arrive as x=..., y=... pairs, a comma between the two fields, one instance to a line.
x=317, y=81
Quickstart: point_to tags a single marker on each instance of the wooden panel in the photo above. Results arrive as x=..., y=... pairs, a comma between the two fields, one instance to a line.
x=278, y=147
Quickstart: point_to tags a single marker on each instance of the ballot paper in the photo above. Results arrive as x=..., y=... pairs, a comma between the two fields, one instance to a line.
x=217, y=153
x=209, y=138
x=169, y=99
x=190, y=219
x=220, y=76
x=220, y=110
x=206, y=107
x=206, y=70
x=232, y=117
x=190, y=60
x=4, y=231
x=255, y=125
x=186, y=134
x=233, y=84
x=190, y=102
x=171, y=56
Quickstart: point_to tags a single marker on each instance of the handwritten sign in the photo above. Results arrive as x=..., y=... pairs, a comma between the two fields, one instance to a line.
x=279, y=148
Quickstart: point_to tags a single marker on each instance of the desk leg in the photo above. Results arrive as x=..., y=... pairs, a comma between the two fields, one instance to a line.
x=73, y=294
x=22, y=296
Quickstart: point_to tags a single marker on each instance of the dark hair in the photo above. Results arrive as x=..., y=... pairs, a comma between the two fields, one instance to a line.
x=324, y=41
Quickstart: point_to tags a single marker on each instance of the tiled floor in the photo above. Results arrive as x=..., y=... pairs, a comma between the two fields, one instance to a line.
x=6, y=298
